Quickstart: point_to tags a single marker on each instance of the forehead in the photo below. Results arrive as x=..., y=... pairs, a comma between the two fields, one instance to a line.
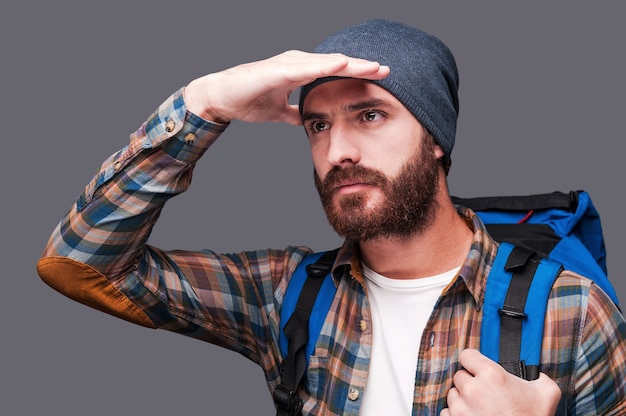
x=347, y=94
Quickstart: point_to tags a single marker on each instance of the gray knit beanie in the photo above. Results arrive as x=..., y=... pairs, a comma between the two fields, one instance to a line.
x=423, y=72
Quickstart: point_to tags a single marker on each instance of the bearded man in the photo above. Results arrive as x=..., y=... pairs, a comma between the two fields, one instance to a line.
x=379, y=105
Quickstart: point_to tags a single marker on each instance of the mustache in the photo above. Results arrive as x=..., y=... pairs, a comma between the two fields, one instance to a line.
x=353, y=173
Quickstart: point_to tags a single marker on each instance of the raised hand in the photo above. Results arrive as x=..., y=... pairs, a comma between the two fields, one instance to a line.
x=259, y=91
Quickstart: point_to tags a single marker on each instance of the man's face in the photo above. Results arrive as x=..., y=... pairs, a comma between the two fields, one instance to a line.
x=375, y=165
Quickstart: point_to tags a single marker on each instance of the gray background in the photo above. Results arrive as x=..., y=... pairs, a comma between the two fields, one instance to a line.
x=542, y=88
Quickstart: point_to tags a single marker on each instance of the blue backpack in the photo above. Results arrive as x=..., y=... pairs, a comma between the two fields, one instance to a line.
x=539, y=235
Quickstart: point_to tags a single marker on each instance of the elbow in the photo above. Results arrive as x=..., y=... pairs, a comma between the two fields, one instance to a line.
x=84, y=284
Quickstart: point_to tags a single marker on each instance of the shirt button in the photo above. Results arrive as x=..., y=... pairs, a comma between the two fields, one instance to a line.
x=117, y=165
x=363, y=325
x=353, y=393
x=190, y=138
x=169, y=126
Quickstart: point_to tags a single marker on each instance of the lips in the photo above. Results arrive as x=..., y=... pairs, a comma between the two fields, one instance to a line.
x=351, y=185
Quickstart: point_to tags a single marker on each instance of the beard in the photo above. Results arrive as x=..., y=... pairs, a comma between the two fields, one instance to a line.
x=408, y=203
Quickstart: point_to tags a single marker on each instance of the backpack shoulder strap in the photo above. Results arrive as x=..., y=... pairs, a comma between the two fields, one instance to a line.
x=296, y=332
x=512, y=328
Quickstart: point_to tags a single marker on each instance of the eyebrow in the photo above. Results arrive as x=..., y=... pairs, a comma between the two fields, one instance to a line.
x=349, y=108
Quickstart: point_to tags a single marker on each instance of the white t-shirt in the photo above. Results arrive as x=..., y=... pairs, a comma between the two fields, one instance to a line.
x=400, y=310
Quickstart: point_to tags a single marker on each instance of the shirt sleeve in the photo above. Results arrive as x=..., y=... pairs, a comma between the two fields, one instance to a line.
x=98, y=253
x=584, y=348
x=600, y=362
x=600, y=369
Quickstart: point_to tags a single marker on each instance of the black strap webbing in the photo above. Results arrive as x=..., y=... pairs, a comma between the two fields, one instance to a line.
x=297, y=331
x=523, y=264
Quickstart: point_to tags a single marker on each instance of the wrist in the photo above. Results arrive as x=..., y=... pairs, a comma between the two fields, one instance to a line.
x=194, y=95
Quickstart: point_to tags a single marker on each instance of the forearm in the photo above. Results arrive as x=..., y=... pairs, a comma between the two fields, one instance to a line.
x=108, y=225
x=103, y=236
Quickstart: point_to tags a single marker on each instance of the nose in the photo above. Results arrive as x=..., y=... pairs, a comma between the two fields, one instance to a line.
x=343, y=146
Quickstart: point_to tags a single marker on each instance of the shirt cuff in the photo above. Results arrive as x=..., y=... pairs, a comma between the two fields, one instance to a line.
x=175, y=131
x=181, y=134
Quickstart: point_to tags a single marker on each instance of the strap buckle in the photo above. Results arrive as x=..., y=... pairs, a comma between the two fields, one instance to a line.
x=509, y=312
x=287, y=400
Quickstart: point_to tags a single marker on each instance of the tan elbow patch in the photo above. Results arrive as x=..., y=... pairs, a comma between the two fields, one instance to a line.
x=86, y=285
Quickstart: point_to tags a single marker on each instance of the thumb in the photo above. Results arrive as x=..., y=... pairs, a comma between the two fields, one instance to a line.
x=292, y=115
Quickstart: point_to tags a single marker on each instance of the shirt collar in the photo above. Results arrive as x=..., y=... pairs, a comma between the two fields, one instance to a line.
x=480, y=258
x=473, y=272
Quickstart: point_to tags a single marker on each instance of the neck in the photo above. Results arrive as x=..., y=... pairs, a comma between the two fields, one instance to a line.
x=439, y=248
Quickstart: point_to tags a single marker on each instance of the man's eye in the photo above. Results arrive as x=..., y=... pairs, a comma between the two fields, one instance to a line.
x=318, y=126
x=371, y=115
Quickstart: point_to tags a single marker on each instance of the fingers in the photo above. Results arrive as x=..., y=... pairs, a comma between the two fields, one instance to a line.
x=456, y=404
x=303, y=67
x=462, y=379
x=477, y=369
x=475, y=362
x=357, y=68
x=453, y=396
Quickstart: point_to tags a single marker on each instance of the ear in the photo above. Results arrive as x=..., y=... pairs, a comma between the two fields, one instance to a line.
x=439, y=153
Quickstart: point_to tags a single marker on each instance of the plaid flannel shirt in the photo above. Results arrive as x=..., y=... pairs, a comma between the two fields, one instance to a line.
x=98, y=255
